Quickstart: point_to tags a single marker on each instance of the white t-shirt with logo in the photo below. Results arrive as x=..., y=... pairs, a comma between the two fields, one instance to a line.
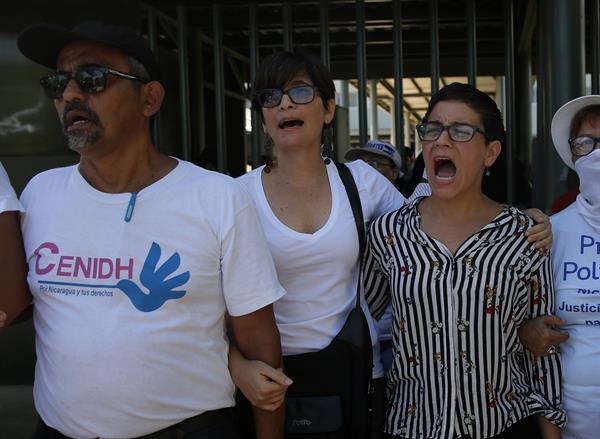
x=8, y=198
x=576, y=259
x=319, y=271
x=130, y=316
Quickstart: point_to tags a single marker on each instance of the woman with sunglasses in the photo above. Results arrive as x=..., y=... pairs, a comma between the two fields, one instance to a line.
x=461, y=278
x=576, y=256
x=306, y=215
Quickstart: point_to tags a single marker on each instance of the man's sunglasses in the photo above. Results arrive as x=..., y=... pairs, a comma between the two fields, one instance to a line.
x=458, y=132
x=271, y=97
x=583, y=145
x=90, y=79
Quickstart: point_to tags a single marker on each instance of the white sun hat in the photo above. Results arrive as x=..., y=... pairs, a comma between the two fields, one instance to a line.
x=561, y=125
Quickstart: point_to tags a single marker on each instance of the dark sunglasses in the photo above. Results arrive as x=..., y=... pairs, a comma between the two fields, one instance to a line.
x=583, y=145
x=90, y=79
x=271, y=97
x=458, y=132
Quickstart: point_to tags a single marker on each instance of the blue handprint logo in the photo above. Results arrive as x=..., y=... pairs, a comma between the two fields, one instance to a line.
x=160, y=289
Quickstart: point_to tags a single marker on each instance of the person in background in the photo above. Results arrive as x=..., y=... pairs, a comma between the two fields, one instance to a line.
x=14, y=292
x=576, y=134
x=381, y=156
x=461, y=277
x=135, y=259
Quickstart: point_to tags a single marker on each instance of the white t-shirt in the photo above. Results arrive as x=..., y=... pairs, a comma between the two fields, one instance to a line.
x=319, y=271
x=576, y=259
x=8, y=198
x=130, y=316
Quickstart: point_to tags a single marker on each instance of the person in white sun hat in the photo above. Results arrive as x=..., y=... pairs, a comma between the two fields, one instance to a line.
x=576, y=136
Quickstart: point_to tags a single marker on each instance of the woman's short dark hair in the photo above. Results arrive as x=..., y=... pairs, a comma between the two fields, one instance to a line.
x=478, y=101
x=279, y=68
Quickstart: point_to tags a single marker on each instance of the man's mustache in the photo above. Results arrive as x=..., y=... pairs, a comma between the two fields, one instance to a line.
x=79, y=106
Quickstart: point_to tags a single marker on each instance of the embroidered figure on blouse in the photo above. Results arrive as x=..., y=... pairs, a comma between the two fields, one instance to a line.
x=471, y=268
x=437, y=357
x=490, y=299
x=469, y=419
x=491, y=398
x=468, y=365
x=412, y=410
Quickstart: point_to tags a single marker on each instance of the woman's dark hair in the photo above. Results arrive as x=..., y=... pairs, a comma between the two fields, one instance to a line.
x=279, y=68
x=478, y=101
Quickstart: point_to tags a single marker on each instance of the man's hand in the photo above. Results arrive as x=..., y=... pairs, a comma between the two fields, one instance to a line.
x=541, y=233
x=539, y=335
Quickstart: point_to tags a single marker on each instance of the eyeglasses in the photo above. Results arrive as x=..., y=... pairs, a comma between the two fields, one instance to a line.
x=459, y=132
x=90, y=79
x=271, y=97
x=583, y=145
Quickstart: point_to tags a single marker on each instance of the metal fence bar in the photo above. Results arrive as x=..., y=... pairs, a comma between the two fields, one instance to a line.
x=398, y=74
x=361, y=60
x=374, y=106
x=253, y=31
x=434, y=45
x=184, y=82
x=472, y=43
x=288, y=31
x=324, y=28
x=153, y=41
x=595, y=23
x=221, y=139
x=509, y=91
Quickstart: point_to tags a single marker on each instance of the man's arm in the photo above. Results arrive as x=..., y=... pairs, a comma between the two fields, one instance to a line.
x=256, y=336
x=14, y=291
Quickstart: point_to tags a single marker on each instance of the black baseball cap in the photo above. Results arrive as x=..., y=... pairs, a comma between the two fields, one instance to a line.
x=42, y=43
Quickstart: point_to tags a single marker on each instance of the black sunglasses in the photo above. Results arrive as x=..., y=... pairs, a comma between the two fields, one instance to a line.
x=90, y=79
x=583, y=145
x=459, y=132
x=271, y=97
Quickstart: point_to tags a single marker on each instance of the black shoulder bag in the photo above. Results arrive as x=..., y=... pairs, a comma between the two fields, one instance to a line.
x=330, y=395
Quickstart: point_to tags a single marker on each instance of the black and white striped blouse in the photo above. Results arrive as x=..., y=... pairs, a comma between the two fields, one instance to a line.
x=459, y=367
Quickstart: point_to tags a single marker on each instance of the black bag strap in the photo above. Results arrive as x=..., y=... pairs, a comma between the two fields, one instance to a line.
x=354, y=198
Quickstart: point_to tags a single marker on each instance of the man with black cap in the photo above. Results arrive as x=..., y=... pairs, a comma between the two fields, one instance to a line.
x=135, y=258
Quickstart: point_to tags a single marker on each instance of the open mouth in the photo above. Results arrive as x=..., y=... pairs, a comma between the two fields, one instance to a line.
x=290, y=123
x=76, y=119
x=444, y=168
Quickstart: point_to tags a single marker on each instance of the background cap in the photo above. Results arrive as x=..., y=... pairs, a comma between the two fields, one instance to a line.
x=42, y=43
x=561, y=125
x=376, y=147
